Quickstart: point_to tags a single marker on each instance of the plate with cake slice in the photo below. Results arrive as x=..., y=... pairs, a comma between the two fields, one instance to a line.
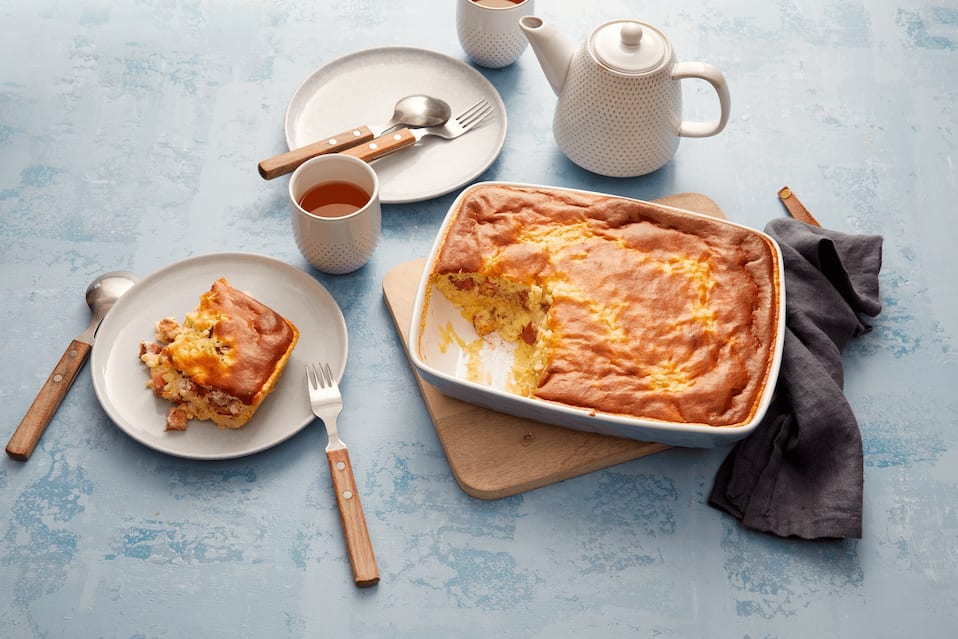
x=601, y=313
x=205, y=358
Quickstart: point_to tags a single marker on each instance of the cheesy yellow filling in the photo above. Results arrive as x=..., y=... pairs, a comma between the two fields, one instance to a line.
x=517, y=312
x=512, y=310
x=193, y=349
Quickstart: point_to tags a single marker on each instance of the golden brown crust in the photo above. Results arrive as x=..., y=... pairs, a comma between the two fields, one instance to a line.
x=655, y=313
x=252, y=339
x=223, y=361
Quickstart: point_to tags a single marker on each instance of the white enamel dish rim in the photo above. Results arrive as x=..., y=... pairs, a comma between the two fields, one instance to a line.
x=674, y=433
x=120, y=379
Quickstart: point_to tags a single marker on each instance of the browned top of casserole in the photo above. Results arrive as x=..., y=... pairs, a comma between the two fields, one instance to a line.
x=235, y=344
x=655, y=313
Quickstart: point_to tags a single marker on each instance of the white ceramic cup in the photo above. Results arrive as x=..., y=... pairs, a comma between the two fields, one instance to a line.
x=489, y=30
x=343, y=244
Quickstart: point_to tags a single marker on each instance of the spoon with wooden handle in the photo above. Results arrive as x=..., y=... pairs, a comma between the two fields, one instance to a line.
x=413, y=111
x=101, y=294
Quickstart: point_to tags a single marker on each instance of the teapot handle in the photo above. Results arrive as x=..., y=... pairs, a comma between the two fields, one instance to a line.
x=714, y=77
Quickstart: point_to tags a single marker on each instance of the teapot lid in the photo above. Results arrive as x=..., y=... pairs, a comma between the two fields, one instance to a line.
x=629, y=46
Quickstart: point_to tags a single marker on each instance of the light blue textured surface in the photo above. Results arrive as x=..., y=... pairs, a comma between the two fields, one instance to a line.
x=129, y=137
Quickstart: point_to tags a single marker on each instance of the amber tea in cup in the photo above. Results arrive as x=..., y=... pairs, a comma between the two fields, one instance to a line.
x=336, y=214
x=334, y=199
x=498, y=4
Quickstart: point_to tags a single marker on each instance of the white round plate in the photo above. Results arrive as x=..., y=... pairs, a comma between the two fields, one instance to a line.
x=363, y=87
x=121, y=380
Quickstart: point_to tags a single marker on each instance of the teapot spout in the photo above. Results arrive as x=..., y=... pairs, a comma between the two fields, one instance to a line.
x=552, y=50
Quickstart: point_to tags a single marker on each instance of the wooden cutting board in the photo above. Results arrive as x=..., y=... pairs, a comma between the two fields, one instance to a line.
x=494, y=455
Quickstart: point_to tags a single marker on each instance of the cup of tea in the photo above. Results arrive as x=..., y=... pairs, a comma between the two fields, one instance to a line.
x=336, y=212
x=489, y=30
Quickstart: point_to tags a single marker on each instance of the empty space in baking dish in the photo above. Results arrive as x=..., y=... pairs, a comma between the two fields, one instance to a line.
x=452, y=346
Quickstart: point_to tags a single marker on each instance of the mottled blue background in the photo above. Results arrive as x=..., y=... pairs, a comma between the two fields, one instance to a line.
x=129, y=136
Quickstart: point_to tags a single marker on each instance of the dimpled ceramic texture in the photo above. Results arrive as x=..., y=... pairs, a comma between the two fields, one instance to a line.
x=491, y=37
x=353, y=246
x=640, y=118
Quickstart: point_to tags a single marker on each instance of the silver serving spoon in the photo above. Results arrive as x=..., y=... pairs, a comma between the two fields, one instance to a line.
x=101, y=294
x=413, y=112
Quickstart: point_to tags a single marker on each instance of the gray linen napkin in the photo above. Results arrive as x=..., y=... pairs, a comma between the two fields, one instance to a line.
x=800, y=473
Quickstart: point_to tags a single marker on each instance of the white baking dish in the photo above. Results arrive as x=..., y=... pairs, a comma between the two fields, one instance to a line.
x=442, y=361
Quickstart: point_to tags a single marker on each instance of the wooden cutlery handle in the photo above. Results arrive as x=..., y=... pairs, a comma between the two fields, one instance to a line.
x=358, y=544
x=383, y=145
x=287, y=162
x=795, y=207
x=48, y=400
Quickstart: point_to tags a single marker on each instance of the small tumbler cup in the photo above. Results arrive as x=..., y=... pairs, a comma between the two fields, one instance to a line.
x=343, y=243
x=489, y=30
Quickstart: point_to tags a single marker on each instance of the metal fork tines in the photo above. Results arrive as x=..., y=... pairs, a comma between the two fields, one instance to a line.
x=327, y=403
x=462, y=122
x=455, y=127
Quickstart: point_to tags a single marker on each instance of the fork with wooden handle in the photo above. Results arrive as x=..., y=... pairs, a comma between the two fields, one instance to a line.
x=327, y=403
x=412, y=111
x=402, y=138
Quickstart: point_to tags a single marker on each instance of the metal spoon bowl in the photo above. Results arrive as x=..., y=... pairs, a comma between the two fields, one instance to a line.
x=104, y=291
x=101, y=294
x=412, y=111
x=418, y=111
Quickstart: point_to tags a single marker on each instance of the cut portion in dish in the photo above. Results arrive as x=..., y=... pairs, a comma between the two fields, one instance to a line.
x=615, y=305
x=222, y=362
x=514, y=311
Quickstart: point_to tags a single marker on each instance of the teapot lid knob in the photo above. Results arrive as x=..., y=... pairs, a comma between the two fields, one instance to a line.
x=631, y=34
x=629, y=46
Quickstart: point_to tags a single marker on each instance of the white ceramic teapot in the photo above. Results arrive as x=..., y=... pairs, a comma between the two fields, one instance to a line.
x=620, y=100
